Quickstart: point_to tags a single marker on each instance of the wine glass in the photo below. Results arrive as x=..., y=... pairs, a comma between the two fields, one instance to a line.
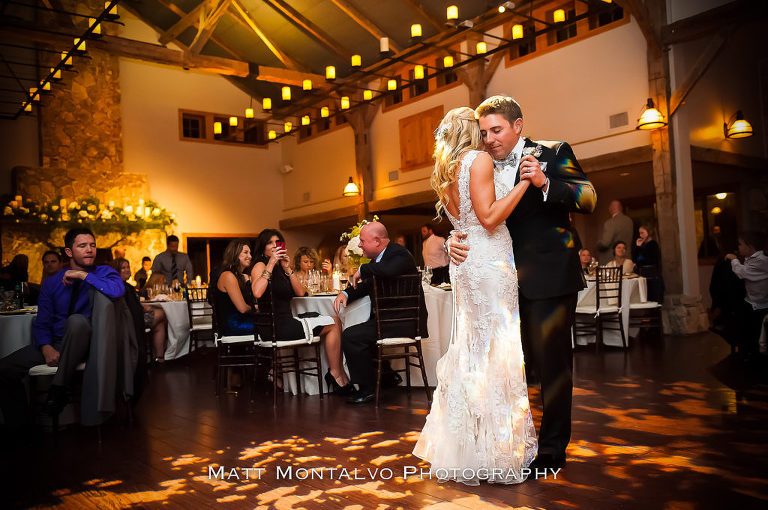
x=427, y=275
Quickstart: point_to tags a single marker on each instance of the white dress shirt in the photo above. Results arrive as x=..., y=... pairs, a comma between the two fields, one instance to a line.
x=754, y=272
x=509, y=173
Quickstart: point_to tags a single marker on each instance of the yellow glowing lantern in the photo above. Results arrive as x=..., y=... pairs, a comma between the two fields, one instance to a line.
x=56, y=73
x=113, y=11
x=384, y=45
x=286, y=94
x=418, y=72
x=357, y=61
x=391, y=84
x=80, y=44
x=28, y=107
x=249, y=113
x=306, y=85
x=47, y=85
x=738, y=128
x=367, y=94
x=272, y=134
x=324, y=112
x=66, y=59
x=517, y=31
x=330, y=73
x=559, y=15
x=481, y=47
x=351, y=189
x=452, y=12
x=96, y=26
x=233, y=121
x=217, y=128
x=650, y=118
x=266, y=103
x=416, y=30
x=288, y=126
x=344, y=103
x=305, y=120
x=447, y=61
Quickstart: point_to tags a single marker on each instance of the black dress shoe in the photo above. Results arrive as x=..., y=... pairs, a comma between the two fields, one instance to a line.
x=547, y=461
x=390, y=380
x=336, y=388
x=361, y=398
x=58, y=398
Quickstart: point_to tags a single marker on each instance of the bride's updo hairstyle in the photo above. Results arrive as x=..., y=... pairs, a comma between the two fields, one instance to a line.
x=457, y=133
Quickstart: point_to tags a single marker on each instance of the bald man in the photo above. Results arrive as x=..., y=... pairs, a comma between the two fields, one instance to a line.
x=388, y=259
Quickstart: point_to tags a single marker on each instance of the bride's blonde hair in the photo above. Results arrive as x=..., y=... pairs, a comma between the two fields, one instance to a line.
x=457, y=133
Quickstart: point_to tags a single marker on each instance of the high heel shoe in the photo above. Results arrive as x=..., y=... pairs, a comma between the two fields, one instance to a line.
x=336, y=388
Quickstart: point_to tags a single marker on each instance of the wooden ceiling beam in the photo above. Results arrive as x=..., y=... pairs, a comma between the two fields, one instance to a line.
x=364, y=22
x=187, y=20
x=416, y=6
x=207, y=24
x=290, y=77
x=308, y=28
x=241, y=13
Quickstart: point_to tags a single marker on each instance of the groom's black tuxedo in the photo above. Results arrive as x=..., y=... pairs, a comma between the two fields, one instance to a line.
x=549, y=275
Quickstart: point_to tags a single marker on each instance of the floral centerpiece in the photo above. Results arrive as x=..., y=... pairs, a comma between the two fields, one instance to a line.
x=97, y=215
x=354, y=252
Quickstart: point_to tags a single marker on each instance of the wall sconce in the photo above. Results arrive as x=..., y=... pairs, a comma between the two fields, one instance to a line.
x=344, y=102
x=217, y=128
x=233, y=121
x=650, y=118
x=324, y=112
x=721, y=196
x=559, y=16
x=286, y=93
x=306, y=85
x=517, y=32
x=737, y=127
x=367, y=95
x=351, y=189
x=415, y=31
x=481, y=47
x=452, y=12
x=330, y=73
x=418, y=72
x=716, y=210
x=357, y=61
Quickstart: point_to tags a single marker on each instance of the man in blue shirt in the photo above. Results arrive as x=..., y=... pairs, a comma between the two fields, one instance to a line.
x=62, y=329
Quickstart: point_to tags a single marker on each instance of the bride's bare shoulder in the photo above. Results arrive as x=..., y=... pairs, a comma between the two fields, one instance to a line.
x=482, y=162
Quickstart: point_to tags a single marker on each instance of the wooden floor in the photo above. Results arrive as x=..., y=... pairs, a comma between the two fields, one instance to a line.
x=674, y=424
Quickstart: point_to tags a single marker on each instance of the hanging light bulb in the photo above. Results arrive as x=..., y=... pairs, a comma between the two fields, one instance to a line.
x=306, y=85
x=650, y=118
x=266, y=103
x=351, y=189
x=324, y=112
x=418, y=72
x=481, y=47
x=391, y=84
x=738, y=127
x=305, y=120
x=502, y=9
x=559, y=15
x=233, y=121
x=249, y=113
x=344, y=103
x=447, y=61
x=415, y=30
x=517, y=31
x=286, y=93
x=452, y=12
x=272, y=134
x=217, y=128
x=367, y=95
x=357, y=61
x=288, y=126
x=330, y=73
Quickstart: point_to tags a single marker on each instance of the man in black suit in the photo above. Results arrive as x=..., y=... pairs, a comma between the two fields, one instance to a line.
x=359, y=341
x=546, y=254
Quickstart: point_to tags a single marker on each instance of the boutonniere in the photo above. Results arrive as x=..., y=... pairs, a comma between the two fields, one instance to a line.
x=533, y=151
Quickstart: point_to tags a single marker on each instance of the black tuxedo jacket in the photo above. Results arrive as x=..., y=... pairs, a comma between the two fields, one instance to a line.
x=546, y=246
x=395, y=261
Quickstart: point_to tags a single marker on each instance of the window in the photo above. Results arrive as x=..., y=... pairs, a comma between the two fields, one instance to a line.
x=192, y=126
x=254, y=131
x=567, y=31
x=226, y=133
x=605, y=17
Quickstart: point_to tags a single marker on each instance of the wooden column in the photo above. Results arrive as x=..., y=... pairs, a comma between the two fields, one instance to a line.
x=360, y=119
x=477, y=74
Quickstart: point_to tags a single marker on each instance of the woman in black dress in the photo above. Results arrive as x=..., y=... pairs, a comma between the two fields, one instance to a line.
x=272, y=272
x=232, y=291
x=647, y=258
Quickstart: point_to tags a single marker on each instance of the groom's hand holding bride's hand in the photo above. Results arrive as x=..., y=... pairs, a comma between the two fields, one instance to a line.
x=530, y=169
x=457, y=250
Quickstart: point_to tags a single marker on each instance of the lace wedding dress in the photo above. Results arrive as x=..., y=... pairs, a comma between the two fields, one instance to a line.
x=480, y=425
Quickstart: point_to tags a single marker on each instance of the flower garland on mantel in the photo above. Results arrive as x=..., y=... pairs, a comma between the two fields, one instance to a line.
x=90, y=211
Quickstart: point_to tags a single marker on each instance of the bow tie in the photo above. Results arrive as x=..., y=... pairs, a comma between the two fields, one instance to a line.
x=510, y=160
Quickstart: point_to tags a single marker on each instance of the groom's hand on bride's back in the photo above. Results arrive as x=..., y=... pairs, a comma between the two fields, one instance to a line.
x=457, y=250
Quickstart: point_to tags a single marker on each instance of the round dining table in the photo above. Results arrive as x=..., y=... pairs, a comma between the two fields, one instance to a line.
x=15, y=331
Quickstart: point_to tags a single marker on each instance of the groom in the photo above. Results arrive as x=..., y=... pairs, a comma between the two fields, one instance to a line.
x=546, y=253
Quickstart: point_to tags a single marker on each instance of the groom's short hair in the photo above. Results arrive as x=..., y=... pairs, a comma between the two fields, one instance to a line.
x=501, y=105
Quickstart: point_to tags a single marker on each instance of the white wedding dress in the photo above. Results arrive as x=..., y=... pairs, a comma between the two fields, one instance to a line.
x=480, y=425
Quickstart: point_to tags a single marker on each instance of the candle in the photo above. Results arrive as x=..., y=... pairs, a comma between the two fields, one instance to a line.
x=198, y=281
x=336, y=280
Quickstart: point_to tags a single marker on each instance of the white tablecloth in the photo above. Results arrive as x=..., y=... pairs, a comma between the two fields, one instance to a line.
x=15, y=332
x=633, y=290
x=178, y=327
x=440, y=311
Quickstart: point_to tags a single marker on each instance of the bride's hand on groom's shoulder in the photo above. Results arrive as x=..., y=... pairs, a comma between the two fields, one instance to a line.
x=457, y=250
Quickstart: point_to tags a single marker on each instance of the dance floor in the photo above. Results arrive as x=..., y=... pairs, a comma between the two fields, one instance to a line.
x=673, y=424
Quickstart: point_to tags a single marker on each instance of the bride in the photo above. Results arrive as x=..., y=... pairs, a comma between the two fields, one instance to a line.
x=480, y=425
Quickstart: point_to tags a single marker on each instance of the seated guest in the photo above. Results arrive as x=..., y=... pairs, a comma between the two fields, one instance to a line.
x=400, y=239
x=647, y=258
x=15, y=272
x=51, y=264
x=173, y=263
x=304, y=261
x=434, y=255
x=754, y=272
x=388, y=259
x=620, y=258
x=585, y=257
x=142, y=275
x=272, y=275
x=231, y=294
x=153, y=316
x=62, y=328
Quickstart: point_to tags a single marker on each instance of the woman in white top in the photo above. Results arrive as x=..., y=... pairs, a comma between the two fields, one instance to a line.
x=620, y=258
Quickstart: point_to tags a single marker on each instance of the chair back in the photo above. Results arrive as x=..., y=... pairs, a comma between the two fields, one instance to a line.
x=396, y=307
x=264, y=322
x=608, y=286
x=199, y=309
